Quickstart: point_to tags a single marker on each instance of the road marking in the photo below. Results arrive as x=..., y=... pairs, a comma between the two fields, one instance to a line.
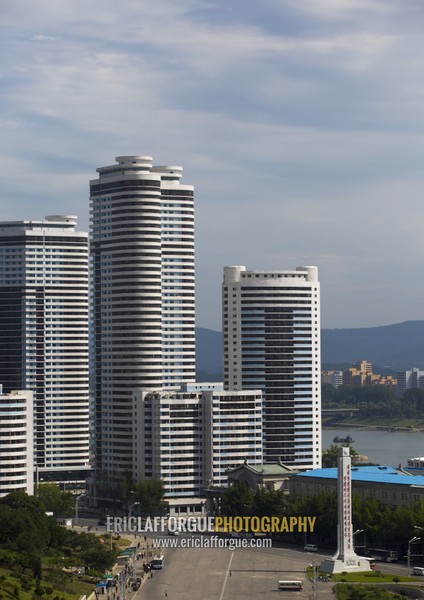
x=226, y=576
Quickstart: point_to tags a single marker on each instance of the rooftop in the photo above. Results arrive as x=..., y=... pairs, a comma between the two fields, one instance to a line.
x=374, y=474
x=273, y=469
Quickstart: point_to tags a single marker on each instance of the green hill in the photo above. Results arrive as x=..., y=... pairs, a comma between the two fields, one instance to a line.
x=398, y=346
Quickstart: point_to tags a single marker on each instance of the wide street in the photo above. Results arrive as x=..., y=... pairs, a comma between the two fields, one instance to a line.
x=222, y=574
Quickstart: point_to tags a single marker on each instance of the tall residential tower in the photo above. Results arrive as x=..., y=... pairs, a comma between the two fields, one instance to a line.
x=271, y=339
x=44, y=337
x=142, y=247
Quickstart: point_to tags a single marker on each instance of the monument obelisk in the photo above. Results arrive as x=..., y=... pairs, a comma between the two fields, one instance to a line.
x=345, y=558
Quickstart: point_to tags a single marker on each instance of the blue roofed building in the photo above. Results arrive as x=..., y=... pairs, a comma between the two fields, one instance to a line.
x=387, y=485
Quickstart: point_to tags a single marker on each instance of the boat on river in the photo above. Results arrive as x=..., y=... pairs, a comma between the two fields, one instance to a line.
x=344, y=440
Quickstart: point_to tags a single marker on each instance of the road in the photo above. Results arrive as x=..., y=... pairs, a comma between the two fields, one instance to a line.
x=223, y=574
x=191, y=573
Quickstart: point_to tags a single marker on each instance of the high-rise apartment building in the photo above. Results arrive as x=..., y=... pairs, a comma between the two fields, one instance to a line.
x=16, y=442
x=142, y=247
x=190, y=437
x=233, y=432
x=408, y=380
x=271, y=342
x=44, y=337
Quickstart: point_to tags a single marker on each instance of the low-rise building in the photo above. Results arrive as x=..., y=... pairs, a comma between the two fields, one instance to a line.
x=387, y=485
x=272, y=476
x=360, y=374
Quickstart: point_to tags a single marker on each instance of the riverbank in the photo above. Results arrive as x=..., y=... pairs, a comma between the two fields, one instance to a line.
x=363, y=427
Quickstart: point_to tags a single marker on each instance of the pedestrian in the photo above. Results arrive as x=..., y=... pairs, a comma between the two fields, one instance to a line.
x=166, y=592
x=230, y=573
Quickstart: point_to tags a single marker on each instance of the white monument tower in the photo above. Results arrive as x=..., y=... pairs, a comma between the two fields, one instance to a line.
x=345, y=558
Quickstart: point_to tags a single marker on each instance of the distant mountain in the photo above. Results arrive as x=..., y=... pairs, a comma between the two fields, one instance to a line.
x=208, y=355
x=399, y=346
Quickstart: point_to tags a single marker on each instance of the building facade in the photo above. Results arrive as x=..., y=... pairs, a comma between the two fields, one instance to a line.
x=386, y=485
x=271, y=342
x=142, y=248
x=233, y=432
x=408, y=380
x=190, y=438
x=269, y=476
x=44, y=338
x=16, y=442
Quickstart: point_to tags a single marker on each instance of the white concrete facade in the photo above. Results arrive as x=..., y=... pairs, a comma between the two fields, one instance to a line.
x=271, y=342
x=345, y=558
x=190, y=439
x=169, y=440
x=233, y=432
x=16, y=442
x=142, y=247
x=44, y=337
x=408, y=380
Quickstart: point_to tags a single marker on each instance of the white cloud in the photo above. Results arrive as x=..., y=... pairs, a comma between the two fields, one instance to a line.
x=300, y=124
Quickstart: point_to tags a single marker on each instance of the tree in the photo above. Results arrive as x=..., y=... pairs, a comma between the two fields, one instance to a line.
x=237, y=500
x=329, y=456
x=149, y=493
x=61, y=504
x=268, y=503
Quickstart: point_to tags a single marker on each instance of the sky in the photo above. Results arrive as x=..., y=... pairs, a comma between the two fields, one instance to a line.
x=299, y=122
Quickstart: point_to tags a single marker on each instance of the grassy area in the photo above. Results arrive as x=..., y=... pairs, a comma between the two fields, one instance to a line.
x=365, y=577
x=371, y=577
x=377, y=422
x=55, y=585
x=123, y=542
x=364, y=592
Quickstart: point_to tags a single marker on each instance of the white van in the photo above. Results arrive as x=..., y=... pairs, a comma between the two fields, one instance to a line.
x=418, y=571
x=310, y=548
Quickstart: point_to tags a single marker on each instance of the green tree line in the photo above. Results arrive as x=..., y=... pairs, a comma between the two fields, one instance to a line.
x=383, y=526
x=374, y=401
x=27, y=535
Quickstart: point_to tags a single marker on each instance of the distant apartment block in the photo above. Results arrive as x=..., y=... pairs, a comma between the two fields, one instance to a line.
x=16, y=442
x=360, y=374
x=44, y=337
x=142, y=247
x=271, y=339
x=190, y=438
x=408, y=380
x=335, y=377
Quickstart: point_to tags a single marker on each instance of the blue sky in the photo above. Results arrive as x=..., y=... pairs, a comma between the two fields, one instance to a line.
x=299, y=122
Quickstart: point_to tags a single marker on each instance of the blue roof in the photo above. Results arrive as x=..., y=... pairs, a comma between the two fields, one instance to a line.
x=375, y=474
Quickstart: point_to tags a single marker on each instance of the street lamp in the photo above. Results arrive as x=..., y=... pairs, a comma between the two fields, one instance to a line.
x=414, y=539
x=314, y=580
x=357, y=532
x=77, y=499
x=131, y=506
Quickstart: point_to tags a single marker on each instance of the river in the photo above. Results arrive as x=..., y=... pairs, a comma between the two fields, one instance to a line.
x=382, y=447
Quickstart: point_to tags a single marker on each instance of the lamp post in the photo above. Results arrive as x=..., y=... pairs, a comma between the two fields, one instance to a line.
x=314, y=580
x=357, y=532
x=414, y=539
x=131, y=506
x=77, y=499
